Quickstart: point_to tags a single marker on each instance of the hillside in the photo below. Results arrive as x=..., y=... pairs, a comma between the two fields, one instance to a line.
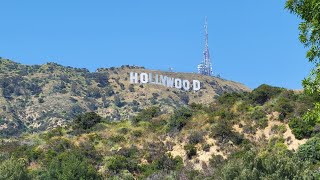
x=68, y=123
x=247, y=135
x=38, y=97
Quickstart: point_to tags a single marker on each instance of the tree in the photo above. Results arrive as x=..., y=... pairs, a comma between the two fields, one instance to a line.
x=308, y=11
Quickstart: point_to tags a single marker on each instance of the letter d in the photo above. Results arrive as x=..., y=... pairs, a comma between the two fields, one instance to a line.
x=196, y=85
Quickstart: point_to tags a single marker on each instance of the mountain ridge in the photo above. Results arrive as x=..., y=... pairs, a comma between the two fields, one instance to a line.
x=38, y=97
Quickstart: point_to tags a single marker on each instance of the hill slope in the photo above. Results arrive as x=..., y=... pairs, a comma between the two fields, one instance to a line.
x=239, y=136
x=39, y=97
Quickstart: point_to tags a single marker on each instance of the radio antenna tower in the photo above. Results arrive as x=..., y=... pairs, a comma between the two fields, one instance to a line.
x=205, y=67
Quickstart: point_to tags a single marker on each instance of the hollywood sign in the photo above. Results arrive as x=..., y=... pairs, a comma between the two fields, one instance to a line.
x=149, y=78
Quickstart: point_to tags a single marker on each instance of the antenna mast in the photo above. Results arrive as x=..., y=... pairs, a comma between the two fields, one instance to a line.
x=205, y=68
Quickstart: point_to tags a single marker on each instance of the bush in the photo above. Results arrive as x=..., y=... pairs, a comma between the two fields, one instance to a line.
x=117, y=163
x=300, y=129
x=279, y=129
x=179, y=119
x=117, y=101
x=222, y=131
x=264, y=93
x=52, y=133
x=41, y=100
x=259, y=116
x=285, y=107
x=310, y=151
x=216, y=160
x=206, y=147
x=137, y=133
x=225, y=114
x=71, y=165
x=87, y=120
x=195, y=138
x=305, y=127
x=117, y=138
x=123, y=130
x=146, y=114
x=131, y=88
x=184, y=98
x=167, y=162
x=13, y=169
x=272, y=164
x=228, y=99
x=59, y=145
x=190, y=150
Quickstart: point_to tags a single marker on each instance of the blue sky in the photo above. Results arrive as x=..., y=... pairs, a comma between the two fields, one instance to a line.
x=252, y=42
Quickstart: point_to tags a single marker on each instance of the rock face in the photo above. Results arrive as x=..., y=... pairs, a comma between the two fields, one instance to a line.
x=39, y=97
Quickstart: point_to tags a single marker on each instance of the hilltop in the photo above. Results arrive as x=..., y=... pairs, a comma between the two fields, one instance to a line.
x=40, y=97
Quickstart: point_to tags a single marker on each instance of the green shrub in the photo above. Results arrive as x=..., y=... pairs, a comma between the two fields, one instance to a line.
x=216, y=160
x=264, y=93
x=191, y=150
x=304, y=127
x=117, y=138
x=71, y=165
x=117, y=101
x=184, y=97
x=206, y=147
x=59, y=145
x=279, y=128
x=129, y=152
x=284, y=107
x=222, y=131
x=146, y=114
x=271, y=164
x=14, y=169
x=225, y=114
x=117, y=163
x=300, y=129
x=52, y=133
x=123, y=130
x=179, y=119
x=229, y=99
x=167, y=162
x=131, y=88
x=259, y=116
x=195, y=137
x=87, y=120
x=137, y=133
x=310, y=151
x=41, y=100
